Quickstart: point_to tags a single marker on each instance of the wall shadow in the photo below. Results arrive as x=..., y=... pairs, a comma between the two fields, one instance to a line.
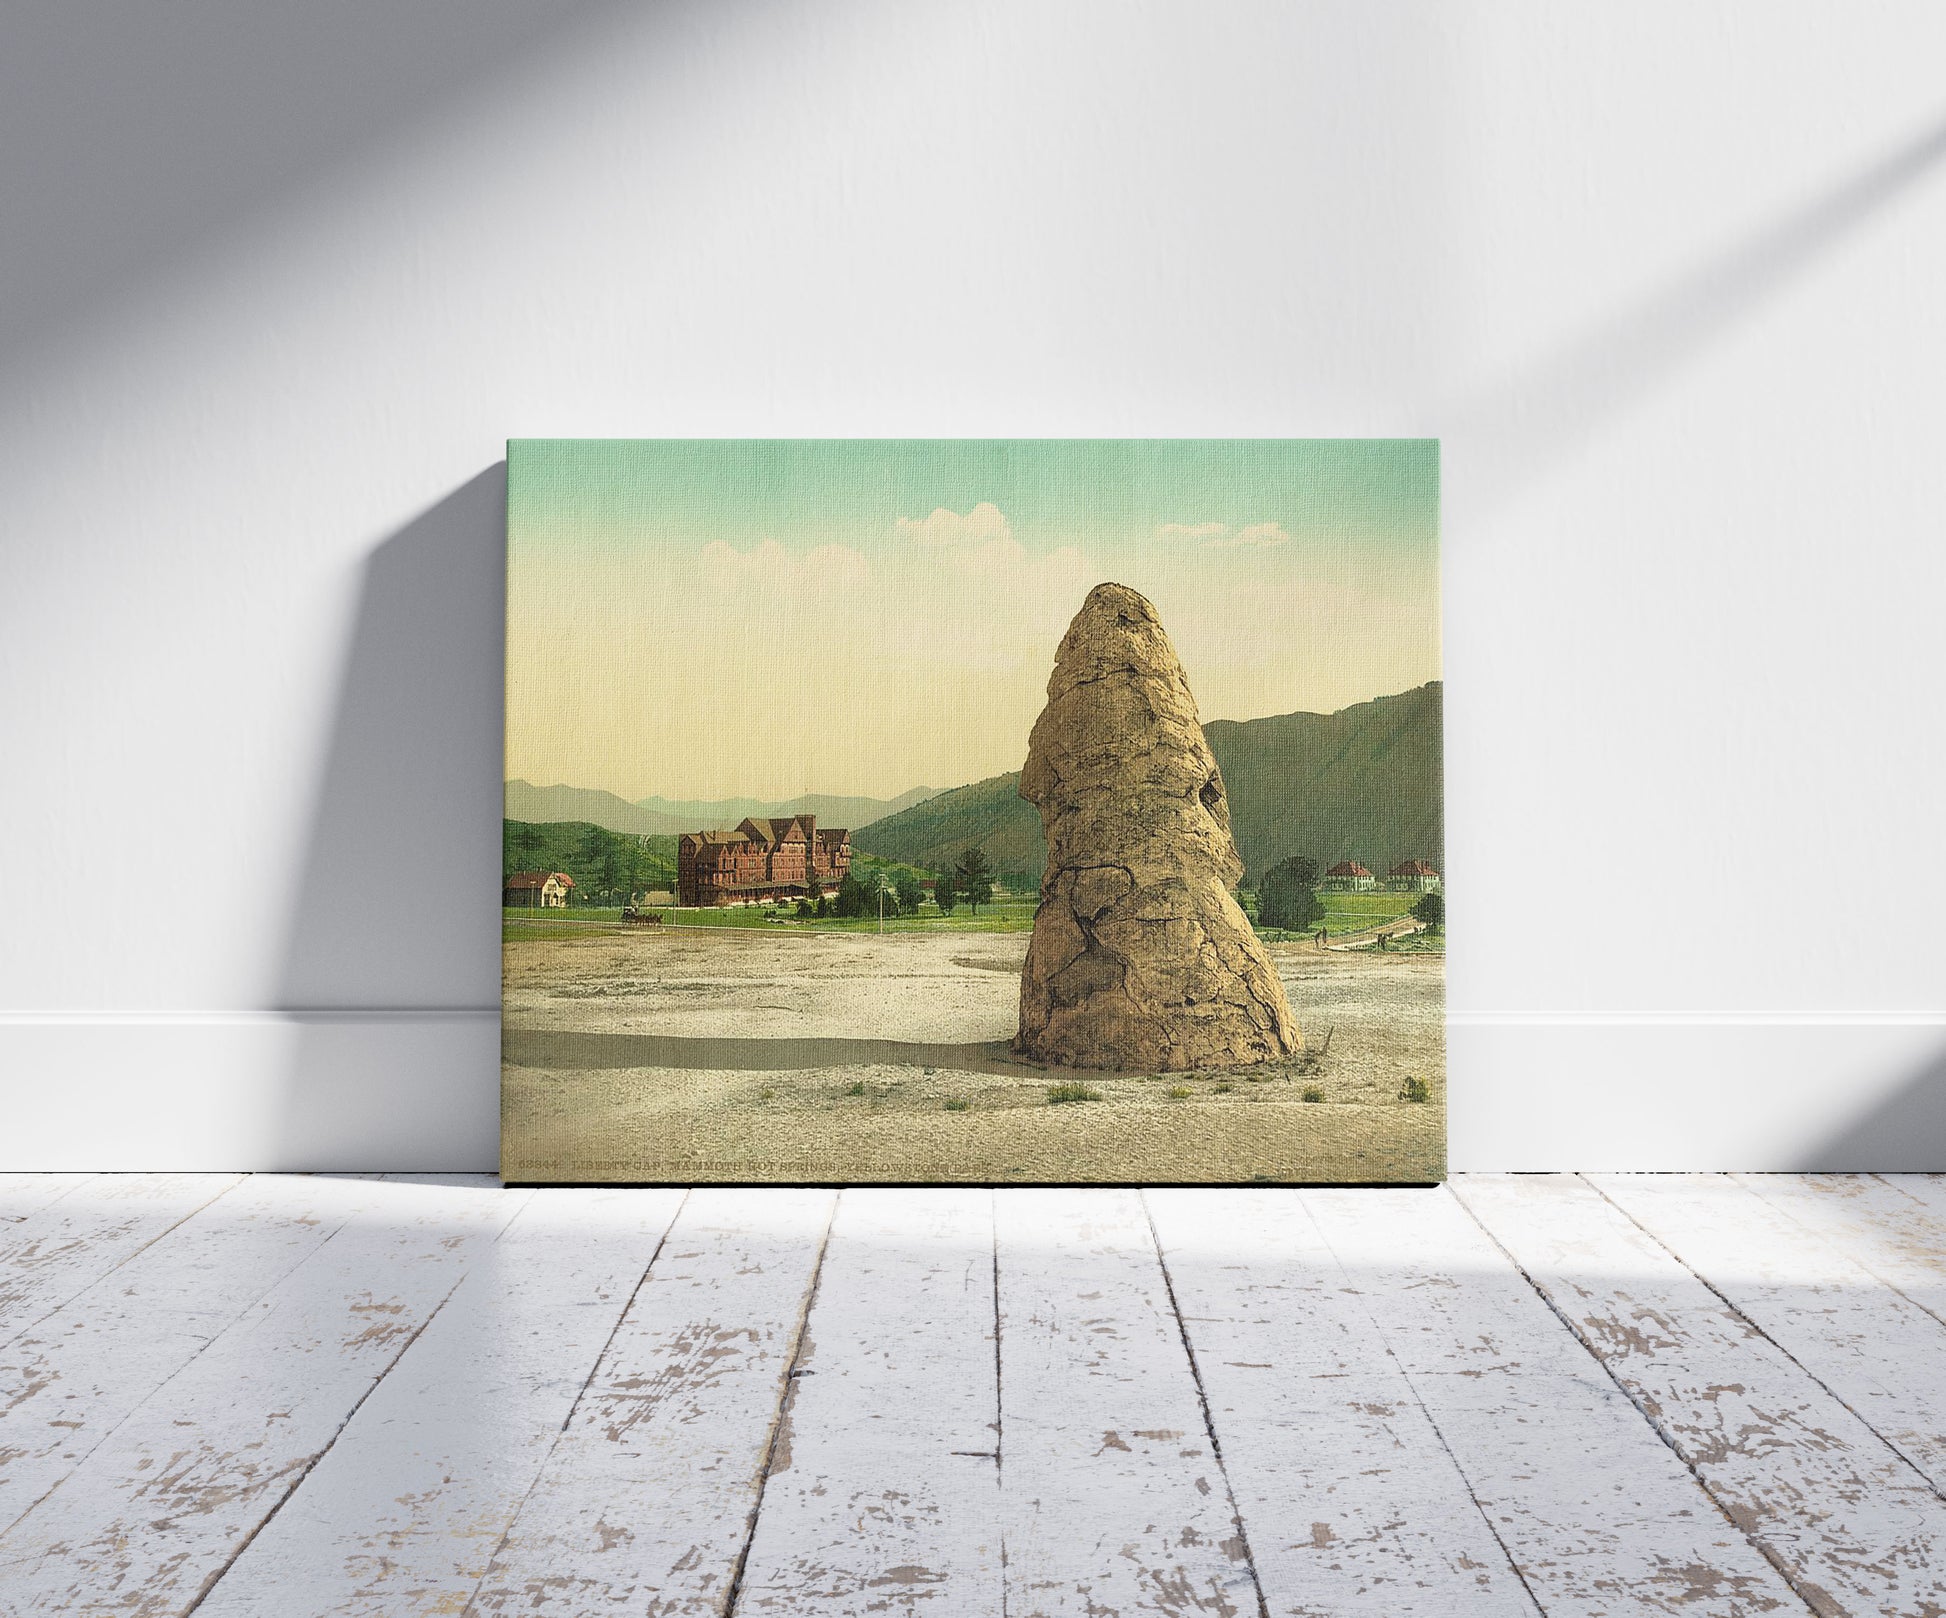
x=134, y=139
x=1517, y=430
x=1905, y=1134
x=393, y=935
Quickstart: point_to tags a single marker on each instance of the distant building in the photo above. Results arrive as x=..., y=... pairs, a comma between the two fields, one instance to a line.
x=537, y=890
x=1349, y=876
x=770, y=859
x=1415, y=876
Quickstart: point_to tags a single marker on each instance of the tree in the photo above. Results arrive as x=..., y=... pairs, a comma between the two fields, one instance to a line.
x=854, y=897
x=1431, y=909
x=973, y=878
x=1288, y=896
x=944, y=894
x=911, y=895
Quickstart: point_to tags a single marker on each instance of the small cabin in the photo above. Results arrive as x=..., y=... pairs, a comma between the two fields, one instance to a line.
x=536, y=890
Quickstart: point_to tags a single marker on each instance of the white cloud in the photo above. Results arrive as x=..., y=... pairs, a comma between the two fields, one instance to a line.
x=984, y=524
x=1258, y=536
x=1192, y=530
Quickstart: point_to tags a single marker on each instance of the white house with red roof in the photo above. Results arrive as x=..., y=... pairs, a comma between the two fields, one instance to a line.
x=1348, y=876
x=1414, y=876
x=536, y=890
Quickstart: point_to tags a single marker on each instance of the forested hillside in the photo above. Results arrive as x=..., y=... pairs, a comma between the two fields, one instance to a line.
x=606, y=866
x=1363, y=783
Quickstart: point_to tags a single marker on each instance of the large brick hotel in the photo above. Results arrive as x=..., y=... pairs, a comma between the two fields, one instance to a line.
x=761, y=859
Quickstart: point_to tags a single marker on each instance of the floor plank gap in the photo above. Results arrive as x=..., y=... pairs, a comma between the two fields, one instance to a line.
x=780, y=1425
x=1774, y=1340
x=1202, y=1402
x=1655, y=1425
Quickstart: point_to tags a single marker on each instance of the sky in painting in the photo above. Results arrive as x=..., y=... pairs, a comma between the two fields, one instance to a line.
x=748, y=618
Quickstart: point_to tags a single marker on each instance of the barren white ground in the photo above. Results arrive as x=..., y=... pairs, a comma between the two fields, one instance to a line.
x=1553, y=1394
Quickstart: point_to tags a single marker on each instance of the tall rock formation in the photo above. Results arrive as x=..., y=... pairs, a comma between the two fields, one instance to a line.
x=1141, y=958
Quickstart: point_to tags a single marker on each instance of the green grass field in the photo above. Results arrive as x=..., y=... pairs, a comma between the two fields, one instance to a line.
x=1350, y=912
x=1344, y=913
x=1004, y=916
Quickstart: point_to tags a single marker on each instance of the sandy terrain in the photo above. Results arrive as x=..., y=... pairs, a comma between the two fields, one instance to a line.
x=744, y=1054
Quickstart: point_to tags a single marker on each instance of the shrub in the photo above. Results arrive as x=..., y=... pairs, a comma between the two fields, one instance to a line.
x=767, y=1093
x=1415, y=1089
x=1312, y=1093
x=1059, y=1095
x=1180, y=1092
x=1287, y=896
x=956, y=1104
x=857, y=1088
x=1225, y=1088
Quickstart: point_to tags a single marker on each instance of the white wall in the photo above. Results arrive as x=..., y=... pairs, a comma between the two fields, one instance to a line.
x=279, y=281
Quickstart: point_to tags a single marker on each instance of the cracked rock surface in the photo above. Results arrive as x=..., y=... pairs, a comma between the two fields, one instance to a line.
x=1141, y=958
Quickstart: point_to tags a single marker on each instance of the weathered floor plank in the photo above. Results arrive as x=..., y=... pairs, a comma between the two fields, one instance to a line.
x=645, y=1504
x=1350, y=1500
x=1855, y=1527
x=72, y=1378
x=404, y=1512
x=23, y=1194
x=883, y=1495
x=1875, y=1350
x=326, y=1396
x=148, y=1521
x=1894, y=1224
x=63, y=1247
x=1596, y=1512
x=1113, y=1499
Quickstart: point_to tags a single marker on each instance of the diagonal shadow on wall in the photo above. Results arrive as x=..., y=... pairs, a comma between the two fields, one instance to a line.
x=1903, y=1134
x=1517, y=431
x=137, y=141
x=392, y=946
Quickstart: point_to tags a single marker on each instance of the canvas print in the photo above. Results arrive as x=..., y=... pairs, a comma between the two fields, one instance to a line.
x=977, y=811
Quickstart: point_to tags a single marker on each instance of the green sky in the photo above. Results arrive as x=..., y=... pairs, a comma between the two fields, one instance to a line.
x=708, y=618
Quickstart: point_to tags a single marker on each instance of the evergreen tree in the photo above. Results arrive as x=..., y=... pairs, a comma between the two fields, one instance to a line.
x=973, y=878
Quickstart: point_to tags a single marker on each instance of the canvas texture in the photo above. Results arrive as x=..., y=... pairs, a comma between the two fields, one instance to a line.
x=973, y=811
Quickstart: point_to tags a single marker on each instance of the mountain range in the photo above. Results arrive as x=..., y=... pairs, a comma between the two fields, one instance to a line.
x=653, y=816
x=1364, y=783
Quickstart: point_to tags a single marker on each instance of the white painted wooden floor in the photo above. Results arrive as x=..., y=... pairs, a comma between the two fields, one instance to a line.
x=283, y=1396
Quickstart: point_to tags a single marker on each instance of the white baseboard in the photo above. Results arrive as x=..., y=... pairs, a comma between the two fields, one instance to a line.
x=419, y=1090
x=251, y=1090
x=1809, y=1092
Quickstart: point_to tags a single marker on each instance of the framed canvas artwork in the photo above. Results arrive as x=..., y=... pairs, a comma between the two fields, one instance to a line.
x=976, y=811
